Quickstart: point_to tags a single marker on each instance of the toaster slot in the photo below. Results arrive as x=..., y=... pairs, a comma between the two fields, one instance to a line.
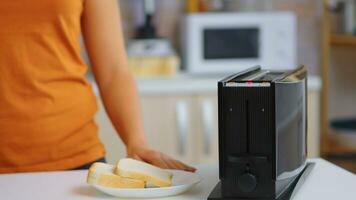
x=247, y=127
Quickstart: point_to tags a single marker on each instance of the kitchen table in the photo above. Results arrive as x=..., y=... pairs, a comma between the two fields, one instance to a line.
x=326, y=181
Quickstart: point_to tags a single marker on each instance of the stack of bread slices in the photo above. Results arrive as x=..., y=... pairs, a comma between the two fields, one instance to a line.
x=128, y=173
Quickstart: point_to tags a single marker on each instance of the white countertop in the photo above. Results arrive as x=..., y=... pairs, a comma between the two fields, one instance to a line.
x=184, y=84
x=326, y=181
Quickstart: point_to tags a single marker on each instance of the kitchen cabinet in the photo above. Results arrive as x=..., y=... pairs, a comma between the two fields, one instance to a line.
x=184, y=127
x=182, y=121
x=206, y=111
x=168, y=124
x=337, y=94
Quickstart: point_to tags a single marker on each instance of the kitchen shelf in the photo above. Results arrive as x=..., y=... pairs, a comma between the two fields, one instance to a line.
x=343, y=40
x=336, y=147
x=328, y=143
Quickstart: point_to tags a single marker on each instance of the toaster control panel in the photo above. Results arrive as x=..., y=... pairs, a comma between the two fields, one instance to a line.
x=247, y=182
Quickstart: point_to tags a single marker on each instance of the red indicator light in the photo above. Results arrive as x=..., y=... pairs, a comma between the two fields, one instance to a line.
x=249, y=83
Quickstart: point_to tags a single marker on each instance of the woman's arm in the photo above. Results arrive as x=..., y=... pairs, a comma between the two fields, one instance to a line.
x=103, y=38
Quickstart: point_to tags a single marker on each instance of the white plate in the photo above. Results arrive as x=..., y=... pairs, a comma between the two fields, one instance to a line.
x=182, y=181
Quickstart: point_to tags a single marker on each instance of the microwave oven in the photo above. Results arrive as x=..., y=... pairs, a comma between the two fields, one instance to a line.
x=229, y=42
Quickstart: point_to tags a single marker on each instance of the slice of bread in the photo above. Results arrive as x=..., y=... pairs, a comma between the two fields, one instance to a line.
x=135, y=169
x=103, y=174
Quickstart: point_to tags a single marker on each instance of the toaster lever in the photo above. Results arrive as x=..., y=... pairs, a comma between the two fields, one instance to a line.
x=247, y=159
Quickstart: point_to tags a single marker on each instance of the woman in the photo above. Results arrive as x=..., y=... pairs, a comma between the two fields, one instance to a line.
x=47, y=106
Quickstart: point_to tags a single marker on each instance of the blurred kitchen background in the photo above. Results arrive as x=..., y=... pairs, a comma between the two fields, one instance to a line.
x=177, y=54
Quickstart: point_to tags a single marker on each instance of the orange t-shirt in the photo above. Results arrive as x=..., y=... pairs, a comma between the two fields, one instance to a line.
x=47, y=106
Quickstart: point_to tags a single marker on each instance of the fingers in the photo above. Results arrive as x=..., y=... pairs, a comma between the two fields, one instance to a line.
x=159, y=159
x=164, y=161
x=185, y=167
x=172, y=164
x=156, y=159
x=175, y=164
x=134, y=157
x=168, y=163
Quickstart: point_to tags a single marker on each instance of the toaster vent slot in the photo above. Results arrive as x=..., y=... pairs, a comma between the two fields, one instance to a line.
x=247, y=126
x=259, y=134
x=235, y=120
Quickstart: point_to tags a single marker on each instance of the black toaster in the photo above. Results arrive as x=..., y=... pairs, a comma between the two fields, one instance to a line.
x=262, y=133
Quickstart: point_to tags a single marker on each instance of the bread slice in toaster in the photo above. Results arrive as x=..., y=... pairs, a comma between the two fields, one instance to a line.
x=103, y=174
x=135, y=169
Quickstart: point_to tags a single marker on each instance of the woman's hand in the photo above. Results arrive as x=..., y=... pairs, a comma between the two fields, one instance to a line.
x=156, y=158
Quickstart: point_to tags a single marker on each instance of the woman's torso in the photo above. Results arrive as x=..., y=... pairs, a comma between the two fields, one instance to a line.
x=46, y=104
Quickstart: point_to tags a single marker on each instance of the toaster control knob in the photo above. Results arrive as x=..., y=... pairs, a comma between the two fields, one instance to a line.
x=247, y=182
